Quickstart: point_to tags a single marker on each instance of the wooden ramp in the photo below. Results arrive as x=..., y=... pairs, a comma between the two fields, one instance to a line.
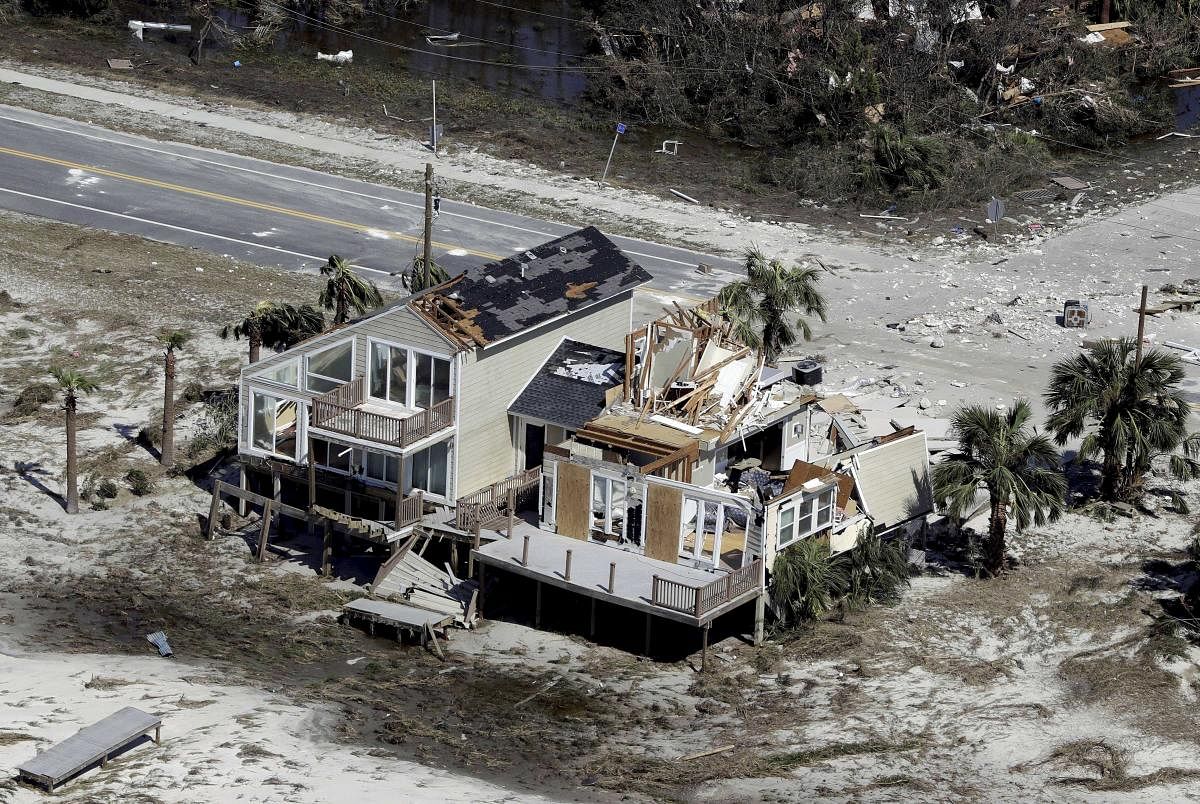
x=409, y=576
x=95, y=743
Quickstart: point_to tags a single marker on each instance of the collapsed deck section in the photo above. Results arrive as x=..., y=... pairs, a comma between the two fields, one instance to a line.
x=683, y=594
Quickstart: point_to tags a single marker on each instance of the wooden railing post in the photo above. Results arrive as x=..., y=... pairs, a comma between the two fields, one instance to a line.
x=612, y=576
x=654, y=589
x=525, y=553
x=696, y=606
x=567, y=570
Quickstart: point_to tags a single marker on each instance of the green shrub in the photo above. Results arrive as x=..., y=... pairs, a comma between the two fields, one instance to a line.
x=139, y=482
x=106, y=489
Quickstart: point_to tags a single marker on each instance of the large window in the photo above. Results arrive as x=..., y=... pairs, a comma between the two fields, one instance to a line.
x=431, y=380
x=285, y=374
x=713, y=531
x=609, y=501
x=332, y=455
x=389, y=373
x=429, y=469
x=273, y=425
x=379, y=466
x=806, y=516
x=329, y=368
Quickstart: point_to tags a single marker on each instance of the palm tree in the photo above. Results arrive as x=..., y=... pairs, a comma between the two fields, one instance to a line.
x=277, y=325
x=171, y=340
x=346, y=289
x=760, y=306
x=72, y=383
x=1017, y=467
x=1127, y=412
x=415, y=279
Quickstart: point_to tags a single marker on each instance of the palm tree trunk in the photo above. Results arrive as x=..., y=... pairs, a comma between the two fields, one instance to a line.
x=72, y=466
x=255, y=338
x=167, y=453
x=343, y=309
x=1112, y=483
x=994, y=549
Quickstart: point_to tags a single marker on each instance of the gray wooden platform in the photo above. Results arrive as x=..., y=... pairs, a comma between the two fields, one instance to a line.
x=95, y=743
x=396, y=615
x=590, y=568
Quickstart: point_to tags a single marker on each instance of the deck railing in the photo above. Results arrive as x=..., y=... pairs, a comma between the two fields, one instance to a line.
x=488, y=504
x=699, y=600
x=410, y=510
x=339, y=412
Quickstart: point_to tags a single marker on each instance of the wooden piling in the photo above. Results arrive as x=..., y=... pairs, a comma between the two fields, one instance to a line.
x=213, y=509
x=612, y=576
x=525, y=553
x=264, y=530
x=512, y=511
x=327, y=550
x=567, y=569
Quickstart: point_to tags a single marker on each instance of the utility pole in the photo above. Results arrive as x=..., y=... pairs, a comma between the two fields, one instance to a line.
x=429, y=222
x=1141, y=327
x=433, y=131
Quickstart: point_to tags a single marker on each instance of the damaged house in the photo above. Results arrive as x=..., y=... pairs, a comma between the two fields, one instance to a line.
x=512, y=414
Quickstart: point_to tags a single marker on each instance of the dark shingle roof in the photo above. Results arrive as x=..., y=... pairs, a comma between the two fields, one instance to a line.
x=568, y=390
x=500, y=299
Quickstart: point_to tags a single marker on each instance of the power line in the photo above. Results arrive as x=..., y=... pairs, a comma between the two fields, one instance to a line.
x=471, y=37
x=579, y=20
x=386, y=43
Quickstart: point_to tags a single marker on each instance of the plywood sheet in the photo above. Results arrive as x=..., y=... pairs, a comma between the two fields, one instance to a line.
x=572, y=507
x=664, y=509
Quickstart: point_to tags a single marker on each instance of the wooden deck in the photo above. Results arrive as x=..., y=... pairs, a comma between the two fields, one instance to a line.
x=623, y=578
x=346, y=410
x=95, y=743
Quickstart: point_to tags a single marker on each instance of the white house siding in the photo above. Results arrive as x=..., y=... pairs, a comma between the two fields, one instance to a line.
x=493, y=377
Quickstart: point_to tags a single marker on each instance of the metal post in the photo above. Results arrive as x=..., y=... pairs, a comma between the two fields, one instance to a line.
x=1141, y=326
x=428, y=222
x=612, y=576
x=611, y=151
x=567, y=570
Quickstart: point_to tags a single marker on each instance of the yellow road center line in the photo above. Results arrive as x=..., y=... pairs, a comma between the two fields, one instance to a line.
x=229, y=199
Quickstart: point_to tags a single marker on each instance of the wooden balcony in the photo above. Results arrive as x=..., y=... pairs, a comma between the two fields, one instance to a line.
x=342, y=411
x=699, y=600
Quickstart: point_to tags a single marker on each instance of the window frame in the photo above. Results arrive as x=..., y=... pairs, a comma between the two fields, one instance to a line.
x=301, y=417
x=609, y=481
x=410, y=366
x=340, y=382
x=261, y=376
x=806, y=507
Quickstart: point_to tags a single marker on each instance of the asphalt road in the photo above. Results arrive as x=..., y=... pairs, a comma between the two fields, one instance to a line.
x=268, y=213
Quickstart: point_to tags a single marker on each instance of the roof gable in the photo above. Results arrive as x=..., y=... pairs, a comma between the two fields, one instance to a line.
x=569, y=389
